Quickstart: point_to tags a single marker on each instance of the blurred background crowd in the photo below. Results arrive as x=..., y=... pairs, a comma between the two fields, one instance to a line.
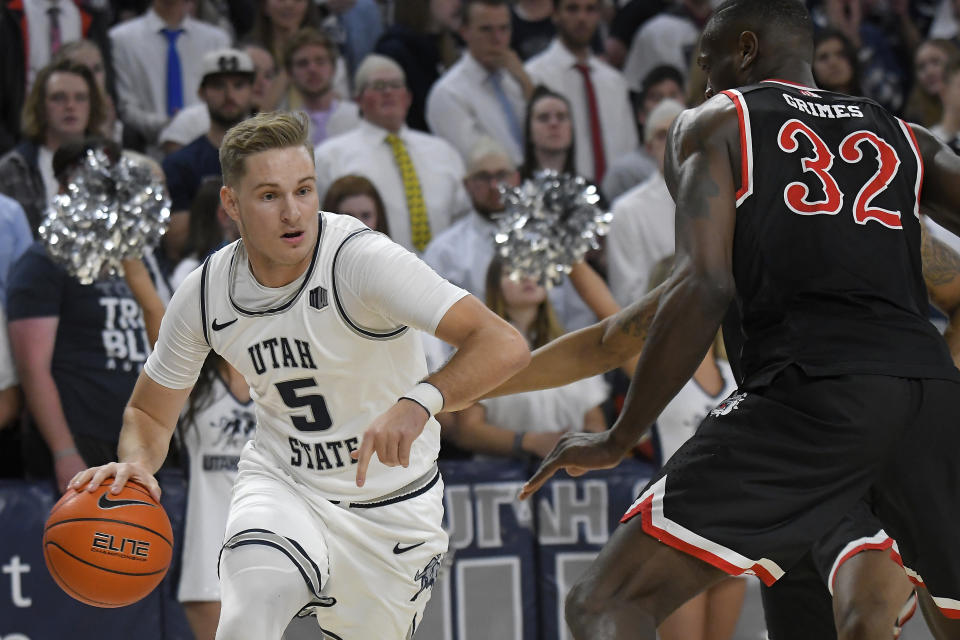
x=419, y=111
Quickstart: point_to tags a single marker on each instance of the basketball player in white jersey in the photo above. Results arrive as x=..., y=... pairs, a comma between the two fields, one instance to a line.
x=314, y=309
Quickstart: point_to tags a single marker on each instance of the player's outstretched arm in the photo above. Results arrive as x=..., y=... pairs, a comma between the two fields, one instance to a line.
x=941, y=272
x=149, y=421
x=699, y=173
x=588, y=352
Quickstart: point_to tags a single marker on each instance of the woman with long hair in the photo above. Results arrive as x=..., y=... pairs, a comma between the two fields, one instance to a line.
x=835, y=64
x=356, y=196
x=925, y=105
x=527, y=423
x=548, y=134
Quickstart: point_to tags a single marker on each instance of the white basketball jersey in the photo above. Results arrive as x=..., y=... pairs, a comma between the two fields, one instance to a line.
x=318, y=379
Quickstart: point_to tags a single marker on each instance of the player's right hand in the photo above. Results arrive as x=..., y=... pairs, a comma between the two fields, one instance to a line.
x=121, y=472
x=577, y=453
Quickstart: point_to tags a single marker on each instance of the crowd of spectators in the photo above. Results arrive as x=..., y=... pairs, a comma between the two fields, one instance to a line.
x=419, y=111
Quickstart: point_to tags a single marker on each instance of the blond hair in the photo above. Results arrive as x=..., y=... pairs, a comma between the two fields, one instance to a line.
x=263, y=132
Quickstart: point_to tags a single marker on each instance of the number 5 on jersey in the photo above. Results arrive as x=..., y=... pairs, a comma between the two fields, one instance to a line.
x=796, y=195
x=318, y=406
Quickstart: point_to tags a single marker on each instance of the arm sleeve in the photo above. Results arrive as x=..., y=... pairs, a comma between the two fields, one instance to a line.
x=381, y=286
x=181, y=349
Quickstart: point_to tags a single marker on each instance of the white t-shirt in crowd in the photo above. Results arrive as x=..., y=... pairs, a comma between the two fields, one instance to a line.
x=559, y=409
x=641, y=235
x=680, y=418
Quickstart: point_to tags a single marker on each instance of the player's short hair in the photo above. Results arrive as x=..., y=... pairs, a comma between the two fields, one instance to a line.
x=791, y=16
x=308, y=36
x=370, y=65
x=468, y=4
x=263, y=132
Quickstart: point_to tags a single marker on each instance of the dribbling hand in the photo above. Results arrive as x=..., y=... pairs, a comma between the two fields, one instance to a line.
x=121, y=472
x=390, y=436
x=576, y=453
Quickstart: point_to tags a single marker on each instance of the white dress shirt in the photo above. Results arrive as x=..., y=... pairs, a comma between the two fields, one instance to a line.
x=38, y=31
x=140, y=63
x=463, y=252
x=664, y=39
x=364, y=151
x=463, y=106
x=641, y=235
x=555, y=69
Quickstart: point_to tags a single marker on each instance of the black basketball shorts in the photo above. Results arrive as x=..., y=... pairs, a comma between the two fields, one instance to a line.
x=772, y=470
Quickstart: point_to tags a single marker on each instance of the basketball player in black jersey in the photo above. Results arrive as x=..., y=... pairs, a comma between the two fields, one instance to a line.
x=804, y=206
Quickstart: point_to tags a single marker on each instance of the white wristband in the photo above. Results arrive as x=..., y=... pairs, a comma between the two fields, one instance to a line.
x=427, y=396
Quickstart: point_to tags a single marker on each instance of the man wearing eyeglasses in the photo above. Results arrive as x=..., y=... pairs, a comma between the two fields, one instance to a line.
x=419, y=176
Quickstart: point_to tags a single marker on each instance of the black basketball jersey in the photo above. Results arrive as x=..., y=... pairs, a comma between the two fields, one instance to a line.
x=826, y=252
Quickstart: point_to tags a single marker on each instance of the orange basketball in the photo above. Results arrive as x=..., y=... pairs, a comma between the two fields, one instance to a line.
x=108, y=550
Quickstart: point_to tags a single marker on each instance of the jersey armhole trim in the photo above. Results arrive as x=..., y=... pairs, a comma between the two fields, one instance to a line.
x=364, y=332
x=203, y=301
x=746, y=145
x=912, y=140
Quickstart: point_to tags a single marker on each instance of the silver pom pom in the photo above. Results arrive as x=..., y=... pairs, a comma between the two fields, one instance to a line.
x=549, y=224
x=111, y=211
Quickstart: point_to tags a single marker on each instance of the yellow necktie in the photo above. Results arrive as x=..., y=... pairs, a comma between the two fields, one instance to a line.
x=419, y=224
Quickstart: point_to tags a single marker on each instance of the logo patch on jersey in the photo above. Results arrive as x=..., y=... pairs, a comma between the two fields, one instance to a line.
x=728, y=405
x=218, y=327
x=318, y=298
x=809, y=94
x=427, y=576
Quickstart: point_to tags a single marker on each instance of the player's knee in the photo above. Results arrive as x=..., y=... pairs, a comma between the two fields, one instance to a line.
x=864, y=621
x=261, y=590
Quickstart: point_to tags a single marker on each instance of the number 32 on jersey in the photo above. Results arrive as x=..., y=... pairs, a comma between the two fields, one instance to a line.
x=852, y=150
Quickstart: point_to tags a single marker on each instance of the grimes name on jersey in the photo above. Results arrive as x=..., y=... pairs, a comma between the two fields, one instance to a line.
x=831, y=111
x=278, y=353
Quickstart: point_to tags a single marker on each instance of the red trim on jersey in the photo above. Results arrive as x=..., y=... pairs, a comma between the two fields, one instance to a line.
x=916, y=148
x=792, y=84
x=744, y=151
x=865, y=546
x=644, y=509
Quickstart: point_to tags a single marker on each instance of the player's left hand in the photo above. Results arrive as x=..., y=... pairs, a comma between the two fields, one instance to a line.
x=390, y=436
x=576, y=453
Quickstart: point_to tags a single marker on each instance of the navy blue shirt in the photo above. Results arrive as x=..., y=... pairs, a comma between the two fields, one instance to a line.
x=101, y=343
x=187, y=168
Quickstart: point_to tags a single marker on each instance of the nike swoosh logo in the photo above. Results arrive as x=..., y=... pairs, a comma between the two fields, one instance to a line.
x=218, y=327
x=398, y=549
x=106, y=503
